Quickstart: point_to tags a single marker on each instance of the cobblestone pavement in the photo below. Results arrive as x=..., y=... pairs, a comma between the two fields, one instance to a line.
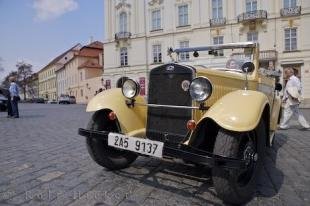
x=44, y=162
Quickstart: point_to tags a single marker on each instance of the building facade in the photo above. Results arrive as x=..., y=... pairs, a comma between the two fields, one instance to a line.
x=47, y=75
x=138, y=33
x=79, y=75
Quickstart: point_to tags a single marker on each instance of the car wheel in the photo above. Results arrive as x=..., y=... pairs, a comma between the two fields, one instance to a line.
x=100, y=152
x=237, y=186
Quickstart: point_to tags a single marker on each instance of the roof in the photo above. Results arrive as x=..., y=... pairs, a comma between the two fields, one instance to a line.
x=95, y=45
x=59, y=57
x=90, y=64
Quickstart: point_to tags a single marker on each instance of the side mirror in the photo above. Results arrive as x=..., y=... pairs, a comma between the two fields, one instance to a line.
x=248, y=67
x=278, y=87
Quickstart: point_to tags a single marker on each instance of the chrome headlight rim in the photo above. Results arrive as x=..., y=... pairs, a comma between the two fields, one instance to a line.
x=136, y=88
x=210, y=86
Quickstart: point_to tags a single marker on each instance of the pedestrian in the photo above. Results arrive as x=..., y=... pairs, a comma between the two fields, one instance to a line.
x=291, y=100
x=233, y=64
x=14, y=93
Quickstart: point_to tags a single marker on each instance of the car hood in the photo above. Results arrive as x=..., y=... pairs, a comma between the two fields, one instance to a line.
x=3, y=98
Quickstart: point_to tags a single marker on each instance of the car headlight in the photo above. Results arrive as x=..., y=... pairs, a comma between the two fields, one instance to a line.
x=130, y=88
x=200, y=89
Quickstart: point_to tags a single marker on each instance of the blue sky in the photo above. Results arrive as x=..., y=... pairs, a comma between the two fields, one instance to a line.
x=36, y=31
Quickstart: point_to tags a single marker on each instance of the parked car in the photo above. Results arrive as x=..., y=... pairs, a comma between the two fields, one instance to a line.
x=64, y=99
x=3, y=99
x=38, y=100
x=218, y=111
x=3, y=102
x=72, y=100
x=52, y=101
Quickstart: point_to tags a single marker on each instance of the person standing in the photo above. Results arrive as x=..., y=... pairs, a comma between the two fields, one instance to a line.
x=14, y=92
x=291, y=100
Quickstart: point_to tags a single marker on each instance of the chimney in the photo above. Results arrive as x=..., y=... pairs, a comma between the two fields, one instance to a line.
x=91, y=39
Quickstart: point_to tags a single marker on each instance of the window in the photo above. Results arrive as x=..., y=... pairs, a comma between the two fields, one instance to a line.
x=184, y=56
x=81, y=78
x=123, y=22
x=108, y=84
x=156, y=20
x=217, y=9
x=290, y=36
x=81, y=92
x=183, y=15
x=124, y=56
x=219, y=40
x=142, y=85
x=251, y=5
x=289, y=3
x=157, y=54
x=252, y=36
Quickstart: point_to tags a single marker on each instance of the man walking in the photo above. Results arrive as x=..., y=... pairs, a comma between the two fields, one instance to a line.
x=14, y=93
x=291, y=100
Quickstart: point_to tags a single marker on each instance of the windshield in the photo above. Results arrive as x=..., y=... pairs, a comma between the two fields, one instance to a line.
x=224, y=59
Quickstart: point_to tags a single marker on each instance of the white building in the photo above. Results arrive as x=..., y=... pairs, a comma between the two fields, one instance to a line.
x=138, y=33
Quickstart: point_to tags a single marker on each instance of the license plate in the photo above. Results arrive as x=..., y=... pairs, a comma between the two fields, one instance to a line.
x=139, y=145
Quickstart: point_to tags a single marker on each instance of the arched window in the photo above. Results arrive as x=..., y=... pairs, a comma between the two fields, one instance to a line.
x=123, y=22
x=124, y=56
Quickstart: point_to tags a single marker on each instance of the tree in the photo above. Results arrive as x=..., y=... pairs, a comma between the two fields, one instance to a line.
x=6, y=82
x=24, y=72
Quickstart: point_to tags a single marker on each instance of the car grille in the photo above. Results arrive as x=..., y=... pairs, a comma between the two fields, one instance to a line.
x=165, y=88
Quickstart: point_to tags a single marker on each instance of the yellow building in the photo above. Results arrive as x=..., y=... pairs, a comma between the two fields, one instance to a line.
x=81, y=75
x=47, y=75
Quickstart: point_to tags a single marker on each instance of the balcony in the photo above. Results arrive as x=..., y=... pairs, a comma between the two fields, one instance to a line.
x=292, y=11
x=217, y=22
x=252, y=16
x=122, y=36
x=268, y=55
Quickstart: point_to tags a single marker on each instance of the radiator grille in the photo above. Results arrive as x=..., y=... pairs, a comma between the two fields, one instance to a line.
x=165, y=87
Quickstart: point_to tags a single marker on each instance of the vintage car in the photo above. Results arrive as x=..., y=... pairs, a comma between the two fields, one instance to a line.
x=218, y=111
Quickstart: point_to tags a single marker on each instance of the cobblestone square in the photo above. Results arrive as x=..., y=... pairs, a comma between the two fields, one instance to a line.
x=43, y=161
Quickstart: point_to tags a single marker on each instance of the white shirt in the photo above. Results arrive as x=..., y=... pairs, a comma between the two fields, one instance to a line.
x=293, y=81
x=14, y=91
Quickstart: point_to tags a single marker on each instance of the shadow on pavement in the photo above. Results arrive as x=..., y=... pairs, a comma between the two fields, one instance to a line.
x=272, y=178
x=196, y=182
x=176, y=177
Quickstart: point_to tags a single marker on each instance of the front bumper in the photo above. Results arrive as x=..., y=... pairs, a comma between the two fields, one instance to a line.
x=181, y=151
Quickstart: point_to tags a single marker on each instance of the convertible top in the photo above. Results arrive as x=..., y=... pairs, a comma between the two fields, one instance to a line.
x=216, y=47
